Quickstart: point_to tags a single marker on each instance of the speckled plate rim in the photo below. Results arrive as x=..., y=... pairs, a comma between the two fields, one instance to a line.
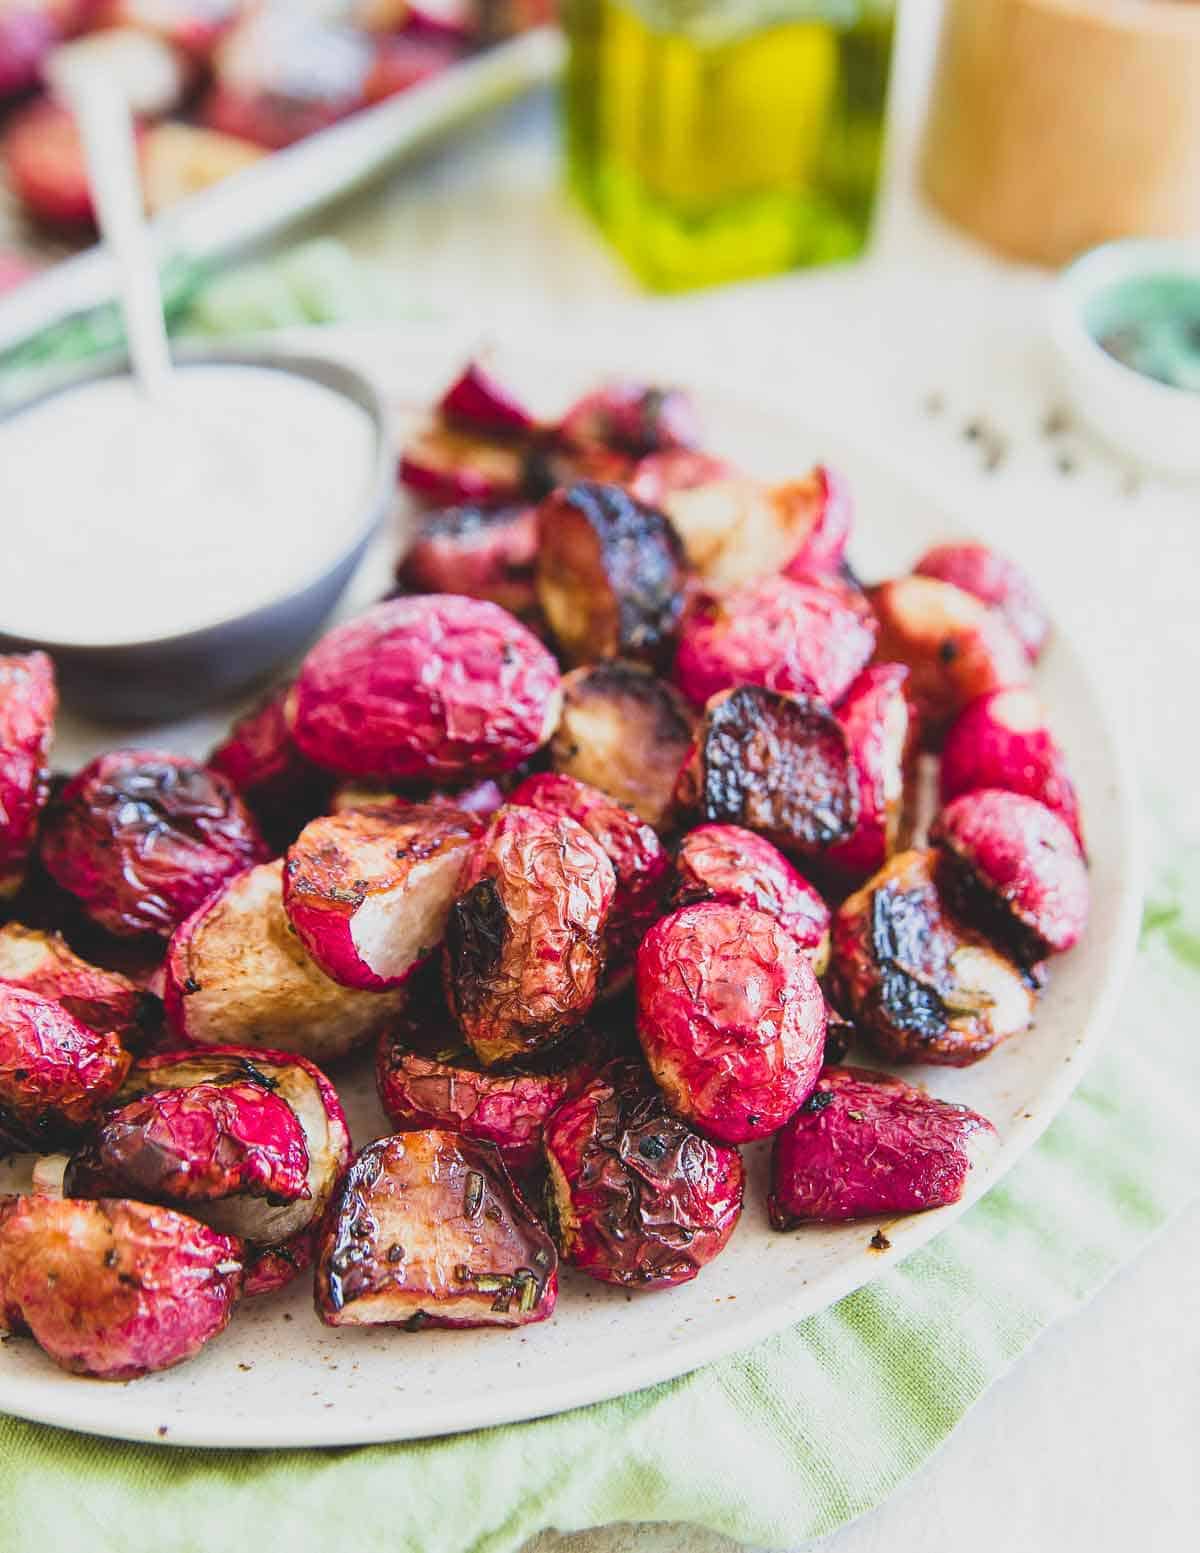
x=129, y=1412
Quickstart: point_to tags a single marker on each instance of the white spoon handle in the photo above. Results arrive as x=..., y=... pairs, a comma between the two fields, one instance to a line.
x=106, y=126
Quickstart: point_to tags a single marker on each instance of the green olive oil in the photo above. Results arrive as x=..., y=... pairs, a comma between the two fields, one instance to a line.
x=717, y=139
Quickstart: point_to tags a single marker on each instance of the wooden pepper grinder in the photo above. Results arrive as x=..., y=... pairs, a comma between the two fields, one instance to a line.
x=1058, y=124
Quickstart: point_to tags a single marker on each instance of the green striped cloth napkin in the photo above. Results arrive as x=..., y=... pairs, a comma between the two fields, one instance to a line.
x=774, y=1446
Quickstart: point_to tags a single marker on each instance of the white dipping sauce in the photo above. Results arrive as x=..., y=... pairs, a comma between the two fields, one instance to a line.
x=124, y=521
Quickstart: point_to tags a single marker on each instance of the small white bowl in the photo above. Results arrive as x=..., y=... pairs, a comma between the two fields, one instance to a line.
x=1156, y=424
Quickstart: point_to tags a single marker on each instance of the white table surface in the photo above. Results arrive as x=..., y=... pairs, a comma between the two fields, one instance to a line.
x=1092, y=1440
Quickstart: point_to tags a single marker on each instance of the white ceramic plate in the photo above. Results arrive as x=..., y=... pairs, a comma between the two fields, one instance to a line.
x=279, y=1378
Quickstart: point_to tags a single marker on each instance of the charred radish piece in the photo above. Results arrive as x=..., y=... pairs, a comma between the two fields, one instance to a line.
x=625, y=732
x=920, y=984
x=56, y=1074
x=802, y=637
x=820, y=511
x=881, y=729
x=864, y=1144
x=427, y=1229
x=659, y=475
x=141, y=838
x=104, y=1000
x=237, y=974
x=635, y=1197
x=998, y=582
x=735, y=867
x=368, y=891
x=113, y=1289
x=28, y=702
x=610, y=574
x=250, y=1142
x=524, y=942
x=478, y=400
x=1001, y=740
x=954, y=645
x=1015, y=869
x=776, y=764
x=271, y=1268
x=282, y=789
x=438, y=688
x=444, y=466
x=738, y=532
x=196, y=1145
x=731, y=1019
x=631, y=846
x=483, y=553
x=43, y=159
x=631, y=418
x=428, y=1078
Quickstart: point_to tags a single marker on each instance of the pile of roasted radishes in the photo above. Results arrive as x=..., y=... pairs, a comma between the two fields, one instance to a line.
x=600, y=830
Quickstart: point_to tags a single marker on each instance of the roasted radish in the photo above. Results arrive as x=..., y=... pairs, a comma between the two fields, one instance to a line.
x=631, y=418
x=43, y=159
x=427, y=1229
x=999, y=582
x=484, y=553
x=237, y=975
x=524, y=943
x=881, y=728
x=733, y=866
x=803, y=637
x=955, y=646
x=436, y=687
x=820, y=510
x=427, y=1078
x=635, y=1197
x=113, y=1289
x=56, y=1074
x=737, y=531
x=864, y=1144
x=477, y=399
x=28, y=702
x=918, y=982
x=141, y=838
x=731, y=1019
x=250, y=1142
x=777, y=764
x=632, y=847
x=1014, y=868
x=104, y=1000
x=610, y=574
x=368, y=891
x=1002, y=740
x=659, y=475
x=626, y=732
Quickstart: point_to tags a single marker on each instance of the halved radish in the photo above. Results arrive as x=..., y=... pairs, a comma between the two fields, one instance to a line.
x=237, y=975
x=280, y=1136
x=427, y=1229
x=368, y=890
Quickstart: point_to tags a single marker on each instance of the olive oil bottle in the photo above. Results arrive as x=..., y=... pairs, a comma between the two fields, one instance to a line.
x=717, y=139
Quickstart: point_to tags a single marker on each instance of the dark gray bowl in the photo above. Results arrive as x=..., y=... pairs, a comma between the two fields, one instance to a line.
x=172, y=676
